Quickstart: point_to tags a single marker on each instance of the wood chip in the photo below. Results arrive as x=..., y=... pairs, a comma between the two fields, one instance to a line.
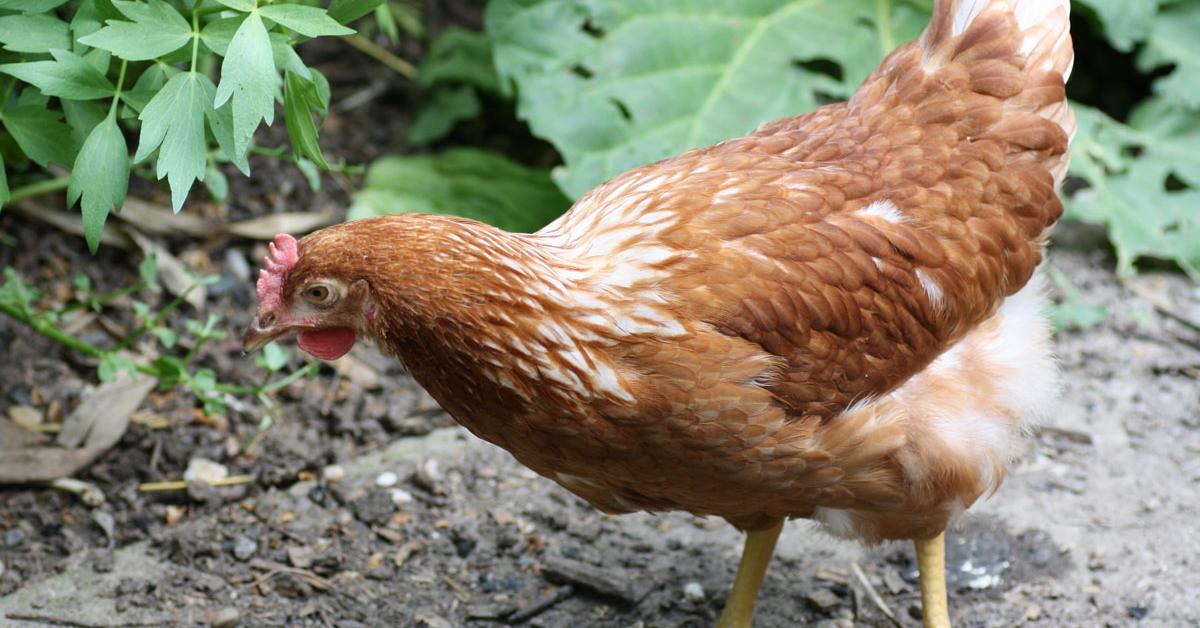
x=614, y=583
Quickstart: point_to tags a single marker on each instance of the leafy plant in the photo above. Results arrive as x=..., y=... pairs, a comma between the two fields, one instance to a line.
x=78, y=74
x=172, y=359
x=615, y=85
x=467, y=182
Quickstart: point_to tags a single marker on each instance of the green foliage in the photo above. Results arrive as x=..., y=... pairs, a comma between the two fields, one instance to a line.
x=615, y=85
x=458, y=67
x=1072, y=312
x=467, y=182
x=142, y=62
x=174, y=365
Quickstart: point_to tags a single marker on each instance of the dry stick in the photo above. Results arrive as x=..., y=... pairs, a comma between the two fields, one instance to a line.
x=873, y=594
x=65, y=621
x=463, y=594
x=1163, y=308
x=542, y=605
x=179, y=485
x=382, y=55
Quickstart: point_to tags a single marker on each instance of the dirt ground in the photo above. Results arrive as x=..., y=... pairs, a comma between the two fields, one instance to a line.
x=366, y=506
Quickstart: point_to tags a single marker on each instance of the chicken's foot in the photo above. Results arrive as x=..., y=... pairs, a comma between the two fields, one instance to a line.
x=756, y=555
x=931, y=562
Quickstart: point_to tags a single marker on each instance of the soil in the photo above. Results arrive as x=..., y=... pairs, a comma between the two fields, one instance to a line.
x=367, y=506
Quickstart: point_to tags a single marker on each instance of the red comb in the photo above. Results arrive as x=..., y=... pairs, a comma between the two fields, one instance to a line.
x=284, y=255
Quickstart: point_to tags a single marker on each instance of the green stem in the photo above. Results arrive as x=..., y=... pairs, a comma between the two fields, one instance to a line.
x=37, y=188
x=195, y=39
x=47, y=329
x=883, y=24
x=283, y=153
x=158, y=318
x=112, y=109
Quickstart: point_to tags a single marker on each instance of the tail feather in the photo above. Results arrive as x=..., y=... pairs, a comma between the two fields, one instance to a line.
x=1016, y=50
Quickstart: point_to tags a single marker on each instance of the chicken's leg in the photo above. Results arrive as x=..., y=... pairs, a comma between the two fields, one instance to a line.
x=756, y=555
x=931, y=562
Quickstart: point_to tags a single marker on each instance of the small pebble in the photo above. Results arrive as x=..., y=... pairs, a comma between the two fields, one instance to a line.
x=401, y=496
x=244, y=548
x=224, y=618
x=386, y=479
x=693, y=592
x=205, y=470
x=13, y=537
x=333, y=473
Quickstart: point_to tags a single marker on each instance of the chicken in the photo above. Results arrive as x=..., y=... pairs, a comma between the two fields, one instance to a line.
x=832, y=318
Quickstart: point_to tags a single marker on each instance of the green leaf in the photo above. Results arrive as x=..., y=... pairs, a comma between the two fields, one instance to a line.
x=272, y=357
x=618, y=85
x=148, y=85
x=166, y=336
x=100, y=177
x=217, y=35
x=67, y=76
x=173, y=123
x=437, y=116
x=1073, y=312
x=217, y=184
x=240, y=5
x=156, y=30
x=346, y=11
x=460, y=56
x=220, y=122
x=297, y=94
x=4, y=192
x=311, y=173
x=31, y=6
x=15, y=292
x=1125, y=21
x=286, y=59
x=467, y=182
x=1175, y=41
x=82, y=117
x=148, y=271
x=34, y=33
x=41, y=134
x=248, y=81
x=113, y=363
x=170, y=370
x=1130, y=169
x=308, y=21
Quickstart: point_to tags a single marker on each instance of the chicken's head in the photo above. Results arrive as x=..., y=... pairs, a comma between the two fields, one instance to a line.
x=323, y=311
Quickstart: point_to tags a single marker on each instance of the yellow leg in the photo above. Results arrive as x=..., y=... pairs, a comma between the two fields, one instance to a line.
x=756, y=555
x=931, y=562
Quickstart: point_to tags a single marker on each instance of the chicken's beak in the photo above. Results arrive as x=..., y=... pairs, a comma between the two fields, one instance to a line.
x=257, y=335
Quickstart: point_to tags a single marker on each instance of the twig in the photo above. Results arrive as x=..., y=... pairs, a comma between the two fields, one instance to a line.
x=274, y=569
x=1161, y=305
x=89, y=494
x=179, y=485
x=382, y=55
x=542, y=605
x=874, y=595
x=463, y=594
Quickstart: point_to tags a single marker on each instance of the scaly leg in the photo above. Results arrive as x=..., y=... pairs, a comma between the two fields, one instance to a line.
x=931, y=562
x=756, y=555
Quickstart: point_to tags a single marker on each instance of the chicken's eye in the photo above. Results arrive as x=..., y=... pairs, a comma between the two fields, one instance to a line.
x=318, y=294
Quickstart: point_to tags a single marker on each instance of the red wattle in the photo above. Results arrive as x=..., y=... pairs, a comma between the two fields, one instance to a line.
x=326, y=343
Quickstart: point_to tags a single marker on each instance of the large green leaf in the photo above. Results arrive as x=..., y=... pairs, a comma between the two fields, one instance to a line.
x=1125, y=21
x=157, y=29
x=436, y=117
x=308, y=21
x=33, y=33
x=41, y=134
x=248, y=80
x=460, y=56
x=467, y=182
x=616, y=85
x=173, y=123
x=1144, y=182
x=1176, y=41
x=100, y=177
x=67, y=76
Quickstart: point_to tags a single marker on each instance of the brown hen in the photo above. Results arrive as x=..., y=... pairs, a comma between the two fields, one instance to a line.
x=830, y=318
